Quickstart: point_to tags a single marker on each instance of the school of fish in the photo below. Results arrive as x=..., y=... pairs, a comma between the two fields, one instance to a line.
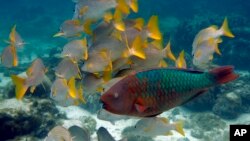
x=127, y=62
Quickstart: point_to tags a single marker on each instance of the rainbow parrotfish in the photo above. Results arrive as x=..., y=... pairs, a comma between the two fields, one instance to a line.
x=151, y=92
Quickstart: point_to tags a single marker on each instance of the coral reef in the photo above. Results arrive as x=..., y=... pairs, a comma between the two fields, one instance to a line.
x=207, y=126
x=28, y=117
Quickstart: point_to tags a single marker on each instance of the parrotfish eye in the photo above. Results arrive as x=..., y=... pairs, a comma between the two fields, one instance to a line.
x=116, y=95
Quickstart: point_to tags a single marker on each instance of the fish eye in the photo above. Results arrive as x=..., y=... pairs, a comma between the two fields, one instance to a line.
x=116, y=95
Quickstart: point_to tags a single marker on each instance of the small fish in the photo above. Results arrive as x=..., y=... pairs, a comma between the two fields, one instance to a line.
x=211, y=32
x=35, y=76
x=151, y=92
x=15, y=38
x=154, y=58
x=9, y=57
x=107, y=116
x=60, y=92
x=79, y=134
x=59, y=133
x=156, y=126
x=70, y=28
x=180, y=62
x=76, y=49
x=97, y=62
x=67, y=69
x=204, y=54
x=104, y=135
x=92, y=9
x=66, y=92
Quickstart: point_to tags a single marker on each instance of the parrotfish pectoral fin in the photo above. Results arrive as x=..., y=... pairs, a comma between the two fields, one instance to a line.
x=225, y=29
x=179, y=128
x=140, y=108
x=223, y=74
x=21, y=88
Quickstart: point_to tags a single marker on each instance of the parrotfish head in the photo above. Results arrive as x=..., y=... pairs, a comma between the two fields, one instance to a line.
x=116, y=100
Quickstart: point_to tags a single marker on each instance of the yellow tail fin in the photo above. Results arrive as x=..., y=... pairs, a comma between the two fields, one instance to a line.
x=87, y=27
x=107, y=17
x=169, y=53
x=137, y=49
x=133, y=4
x=157, y=44
x=163, y=64
x=72, y=88
x=85, y=53
x=179, y=127
x=123, y=6
x=225, y=29
x=80, y=94
x=153, y=29
x=15, y=59
x=180, y=62
x=12, y=35
x=139, y=23
x=21, y=88
x=118, y=22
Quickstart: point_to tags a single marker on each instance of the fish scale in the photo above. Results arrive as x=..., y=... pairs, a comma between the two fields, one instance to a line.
x=150, y=92
x=166, y=81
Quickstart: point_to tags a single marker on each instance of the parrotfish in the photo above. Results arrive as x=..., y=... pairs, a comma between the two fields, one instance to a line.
x=151, y=92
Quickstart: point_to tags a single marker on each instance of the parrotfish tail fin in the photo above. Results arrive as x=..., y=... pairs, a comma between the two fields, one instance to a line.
x=179, y=128
x=225, y=29
x=223, y=74
x=21, y=88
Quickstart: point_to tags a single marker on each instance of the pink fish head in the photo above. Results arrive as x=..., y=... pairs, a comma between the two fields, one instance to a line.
x=117, y=100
